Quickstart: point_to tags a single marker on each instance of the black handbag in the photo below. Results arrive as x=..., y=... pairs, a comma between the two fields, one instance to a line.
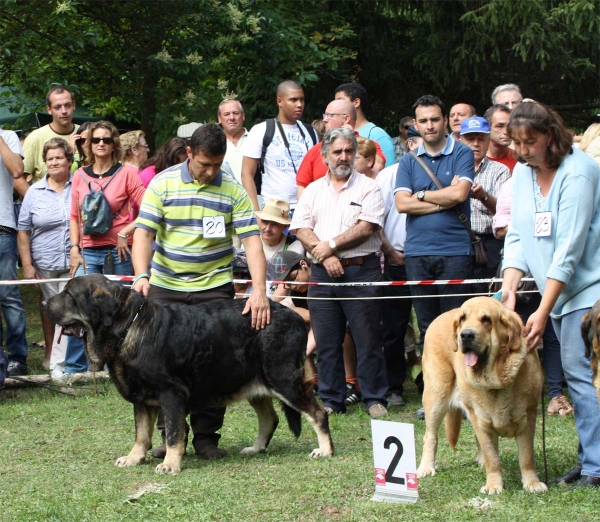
x=479, y=249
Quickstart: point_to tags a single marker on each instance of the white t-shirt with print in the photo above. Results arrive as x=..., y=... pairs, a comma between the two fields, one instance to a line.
x=279, y=178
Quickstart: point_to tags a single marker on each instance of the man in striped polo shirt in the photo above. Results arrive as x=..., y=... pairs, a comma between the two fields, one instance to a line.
x=191, y=210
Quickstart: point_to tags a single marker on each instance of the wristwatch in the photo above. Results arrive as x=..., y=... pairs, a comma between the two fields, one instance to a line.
x=486, y=197
x=332, y=244
x=421, y=195
x=73, y=245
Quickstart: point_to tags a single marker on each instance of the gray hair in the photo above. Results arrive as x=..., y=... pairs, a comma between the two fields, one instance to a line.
x=334, y=134
x=505, y=87
x=227, y=100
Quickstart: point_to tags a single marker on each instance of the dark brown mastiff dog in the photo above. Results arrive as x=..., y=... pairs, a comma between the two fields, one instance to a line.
x=590, y=330
x=174, y=356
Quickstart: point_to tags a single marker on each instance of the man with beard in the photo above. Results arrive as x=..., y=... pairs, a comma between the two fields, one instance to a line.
x=337, y=220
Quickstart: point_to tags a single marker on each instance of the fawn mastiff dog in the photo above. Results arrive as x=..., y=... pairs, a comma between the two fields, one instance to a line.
x=475, y=357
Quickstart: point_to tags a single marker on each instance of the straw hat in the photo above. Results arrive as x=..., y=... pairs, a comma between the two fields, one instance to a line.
x=275, y=210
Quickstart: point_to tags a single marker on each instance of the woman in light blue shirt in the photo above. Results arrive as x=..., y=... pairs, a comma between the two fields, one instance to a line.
x=43, y=236
x=554, y=232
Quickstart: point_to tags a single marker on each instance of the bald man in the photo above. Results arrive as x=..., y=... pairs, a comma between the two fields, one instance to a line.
x=339, y=113
x=291, y=141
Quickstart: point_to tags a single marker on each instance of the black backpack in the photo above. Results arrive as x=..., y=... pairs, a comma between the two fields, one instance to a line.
x=95, y=209
x=268, y=138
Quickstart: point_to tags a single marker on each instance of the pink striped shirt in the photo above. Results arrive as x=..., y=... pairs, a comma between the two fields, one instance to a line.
x=329, y=214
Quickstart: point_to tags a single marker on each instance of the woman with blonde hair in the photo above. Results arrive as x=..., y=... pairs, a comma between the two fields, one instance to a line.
x=135, y=148
x=590, y=143
x=366, y=156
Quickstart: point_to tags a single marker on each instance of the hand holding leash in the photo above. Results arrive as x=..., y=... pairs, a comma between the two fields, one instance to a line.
x=534, y=329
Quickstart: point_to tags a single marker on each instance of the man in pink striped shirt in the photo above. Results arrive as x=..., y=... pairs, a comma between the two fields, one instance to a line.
x=337, y=220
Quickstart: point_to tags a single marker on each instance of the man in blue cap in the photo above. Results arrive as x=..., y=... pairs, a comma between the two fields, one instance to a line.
x=489, y=177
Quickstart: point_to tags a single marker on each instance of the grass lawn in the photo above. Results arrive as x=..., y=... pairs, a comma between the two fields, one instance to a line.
x=59, y=452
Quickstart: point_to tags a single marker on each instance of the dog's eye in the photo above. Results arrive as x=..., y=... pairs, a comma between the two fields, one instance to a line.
x=486, y=319
x=463, y=318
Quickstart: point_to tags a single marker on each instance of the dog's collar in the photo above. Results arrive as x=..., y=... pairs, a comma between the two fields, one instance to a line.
x=130, y=324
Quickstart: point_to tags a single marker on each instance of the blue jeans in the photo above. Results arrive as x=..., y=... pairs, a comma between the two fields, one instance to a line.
x=11, y=302
x=579, y=380
x=420, y=268
x=75, y=359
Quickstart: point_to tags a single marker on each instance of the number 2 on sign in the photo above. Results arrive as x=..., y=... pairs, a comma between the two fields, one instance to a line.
x=389, y=474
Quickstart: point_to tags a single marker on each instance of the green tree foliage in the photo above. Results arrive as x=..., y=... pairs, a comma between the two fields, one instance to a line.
x=162, y=63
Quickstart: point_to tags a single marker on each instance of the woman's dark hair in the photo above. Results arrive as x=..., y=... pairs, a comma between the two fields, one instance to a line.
x=532, y=116
x=82, y=157
x=58, y=143
x=167, y=155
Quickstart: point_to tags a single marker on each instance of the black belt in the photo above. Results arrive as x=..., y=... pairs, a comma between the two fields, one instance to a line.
x=7, y=230
x=359, y=260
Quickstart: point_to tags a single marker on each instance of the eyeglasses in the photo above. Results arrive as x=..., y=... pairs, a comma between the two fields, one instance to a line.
x=107, y=141
x=144, y=145
x=81, y=141
x=329, y=115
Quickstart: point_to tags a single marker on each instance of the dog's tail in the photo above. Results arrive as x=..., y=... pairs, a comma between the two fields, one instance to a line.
x=294, y=419
x=452, y=426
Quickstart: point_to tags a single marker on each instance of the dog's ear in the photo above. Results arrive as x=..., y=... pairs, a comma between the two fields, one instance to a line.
x=458, y=318
x=103, y=307
x=587, y=333
x=514, y=329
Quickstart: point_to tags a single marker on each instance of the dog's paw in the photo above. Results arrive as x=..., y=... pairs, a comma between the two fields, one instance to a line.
x=535, y=487
x=425, y=471
x=490, y=489
x=125, y=462
x=173, y=469
x=318, y=452
x=251, y=450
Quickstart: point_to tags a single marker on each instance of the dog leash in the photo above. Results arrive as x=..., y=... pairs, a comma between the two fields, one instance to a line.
x=544, y=439
x=56, y=387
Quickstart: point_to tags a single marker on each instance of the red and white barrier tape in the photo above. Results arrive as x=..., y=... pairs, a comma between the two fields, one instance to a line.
x=424, y=282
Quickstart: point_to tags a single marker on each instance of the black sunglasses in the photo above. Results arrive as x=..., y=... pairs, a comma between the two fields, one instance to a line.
x=107, y=141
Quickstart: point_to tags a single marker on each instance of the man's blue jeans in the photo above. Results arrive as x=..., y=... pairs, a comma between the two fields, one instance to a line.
x=578, y=374
x=75, y=359
x=435, y=268
x=11, y=302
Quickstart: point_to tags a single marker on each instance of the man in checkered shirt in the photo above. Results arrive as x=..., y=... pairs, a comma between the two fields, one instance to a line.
x=489, y=177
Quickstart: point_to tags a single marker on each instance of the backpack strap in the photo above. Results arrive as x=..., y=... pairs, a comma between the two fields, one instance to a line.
x=311, y=131
x=267, y=139
x=89, y=180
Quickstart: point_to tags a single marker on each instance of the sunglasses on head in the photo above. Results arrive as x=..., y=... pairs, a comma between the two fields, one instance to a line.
x=107, y=141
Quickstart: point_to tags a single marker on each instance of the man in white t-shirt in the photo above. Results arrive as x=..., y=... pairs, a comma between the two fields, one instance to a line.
x=284, y=154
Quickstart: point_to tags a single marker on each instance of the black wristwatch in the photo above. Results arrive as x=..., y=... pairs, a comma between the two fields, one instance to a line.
x=421, y=195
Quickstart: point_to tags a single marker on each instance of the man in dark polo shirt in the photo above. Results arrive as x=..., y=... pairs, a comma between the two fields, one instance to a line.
x=437, y=244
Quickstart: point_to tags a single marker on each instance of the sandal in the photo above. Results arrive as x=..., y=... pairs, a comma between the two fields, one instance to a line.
x=559, y=405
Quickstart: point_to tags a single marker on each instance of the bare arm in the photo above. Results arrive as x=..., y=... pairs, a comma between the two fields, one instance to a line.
x=12, y=161
x=406, y=204
x=479, y=193
x=308, y=238
x=354, y=236
x=449, y=196
x=24, y=245
x=21, y=186
x=141, y=255
x=258, y=302
x=249, y=166
x=501, y=232
x=75, y=258
x=536, y=324
x=393, y=257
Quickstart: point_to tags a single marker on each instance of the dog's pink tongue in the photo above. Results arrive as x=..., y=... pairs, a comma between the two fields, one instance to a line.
x=471, y=358
x=60, y=332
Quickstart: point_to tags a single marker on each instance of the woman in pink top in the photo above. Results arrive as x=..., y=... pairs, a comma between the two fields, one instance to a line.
x=171, y=153
x=121, y=184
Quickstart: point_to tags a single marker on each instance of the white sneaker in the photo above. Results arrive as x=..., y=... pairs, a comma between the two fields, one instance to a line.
x=58, y=374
